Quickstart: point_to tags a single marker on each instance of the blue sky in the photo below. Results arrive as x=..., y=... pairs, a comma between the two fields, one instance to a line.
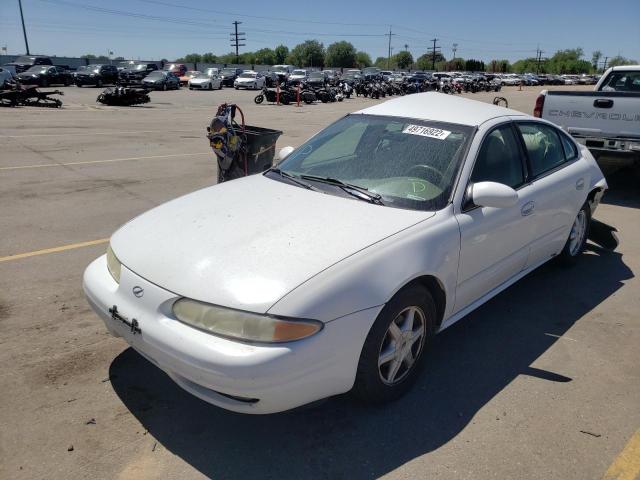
x=170, y=28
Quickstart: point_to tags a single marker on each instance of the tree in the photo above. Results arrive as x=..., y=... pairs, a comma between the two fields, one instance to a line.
x=568, y=61
x=381, y=62
x=472, y=65
x=340, y=54
x=403, y=59
x=265, y=56
x=193, y=58
x=209, y=58
x=455, y=64
x=309, y=53
x=281, y=53
x=595, y=58
x=620, y=60
x=363, y=60
x=227, y=58
x=425, y=62
x=500, y=66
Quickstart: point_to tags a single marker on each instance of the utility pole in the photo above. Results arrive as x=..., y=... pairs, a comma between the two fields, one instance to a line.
x=455, y=49
x=433, y=53
x=538, y=59
x=24, y=30
x=235, y=40
x=406, y=47
x=389, y=53
x=604, y=66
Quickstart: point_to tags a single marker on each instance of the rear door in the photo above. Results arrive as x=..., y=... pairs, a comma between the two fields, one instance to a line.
x=559, y=182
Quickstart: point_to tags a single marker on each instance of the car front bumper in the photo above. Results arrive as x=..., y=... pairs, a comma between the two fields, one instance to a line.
x=200, y=86
x=242, y=377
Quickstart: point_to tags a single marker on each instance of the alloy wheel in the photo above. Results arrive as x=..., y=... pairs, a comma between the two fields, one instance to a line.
x=578, y=230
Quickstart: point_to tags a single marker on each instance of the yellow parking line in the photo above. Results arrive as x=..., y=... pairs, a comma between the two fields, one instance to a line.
x=626, y=466
x=53, y=250
x=151, y=157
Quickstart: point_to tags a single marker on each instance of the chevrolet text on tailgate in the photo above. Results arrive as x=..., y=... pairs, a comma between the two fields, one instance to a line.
x=607, y=120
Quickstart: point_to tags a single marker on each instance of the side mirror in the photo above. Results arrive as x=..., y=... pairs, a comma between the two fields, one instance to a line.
x=492, y=194
x=284, y=153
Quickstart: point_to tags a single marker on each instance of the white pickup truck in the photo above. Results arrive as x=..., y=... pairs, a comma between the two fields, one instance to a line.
x=607, y=120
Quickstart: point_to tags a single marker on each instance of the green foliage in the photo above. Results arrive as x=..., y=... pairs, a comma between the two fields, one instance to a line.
x=528, y=65
x=209, y=58
x=192, y=58
x=381, y=62
x=425, y=62
x=403, y=59
x=309, y=53
x=472, y=65
x=620, y=60
x=265, y=56
x=499, y=66
x=568, y=61
x=455, y=64
x=281, y=53
x=363, y=60
x=228, y=58
x=595, y=58
x=340, y=54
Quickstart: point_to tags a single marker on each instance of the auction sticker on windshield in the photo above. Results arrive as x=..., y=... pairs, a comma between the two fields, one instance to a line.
x=426, y=131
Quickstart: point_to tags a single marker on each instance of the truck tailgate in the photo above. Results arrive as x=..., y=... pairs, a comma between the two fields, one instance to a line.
x=606, y=114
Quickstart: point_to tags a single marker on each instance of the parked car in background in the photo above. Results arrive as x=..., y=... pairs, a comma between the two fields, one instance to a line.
x=229, y=75
x=361, y=261
x=570, y=79
x=25, y=62
x=299, y=75
x=283, y=71
x=386, y=75
x=605, y=120
x=317, y=79
x=212, y=71
x=97, y=75
x=136, y=73
x=6, y=76
x=271, y=79
x=161, y=80
x=202, y=81
x=178, y=69
x=249, y=80
x=44, y=75
x=184, y=79
x=510, y=79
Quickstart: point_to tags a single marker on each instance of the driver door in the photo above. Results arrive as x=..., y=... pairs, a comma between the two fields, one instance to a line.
x=494, y=241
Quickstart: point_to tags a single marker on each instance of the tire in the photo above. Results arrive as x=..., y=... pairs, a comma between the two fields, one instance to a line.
x=220, y=87
x=378, y=384
x=99, y=84
x=190, y=88
x=211, y=86
x=237, y=88
x=44, y=83
x=284, y=99
x=577, y=237
x=164, y=87
x=259, y=99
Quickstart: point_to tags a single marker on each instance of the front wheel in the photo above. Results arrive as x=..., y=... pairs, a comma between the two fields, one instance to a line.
x=394, y=349
x=259, y=99
x=577, y=237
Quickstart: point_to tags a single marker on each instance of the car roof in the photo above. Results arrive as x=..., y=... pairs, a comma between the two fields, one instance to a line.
x=441, y=107
x=630, y=68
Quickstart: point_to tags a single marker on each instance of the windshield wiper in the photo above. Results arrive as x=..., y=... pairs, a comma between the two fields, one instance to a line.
x=356, y=191
x=291, y=178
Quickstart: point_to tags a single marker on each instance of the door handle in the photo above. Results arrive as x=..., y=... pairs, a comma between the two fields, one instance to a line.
x=580, y=184
x=603, y=103
x=527, y=208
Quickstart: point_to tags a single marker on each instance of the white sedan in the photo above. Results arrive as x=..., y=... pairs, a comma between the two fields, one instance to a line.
x=248, y=80
x=203, y=81
x=332, y=272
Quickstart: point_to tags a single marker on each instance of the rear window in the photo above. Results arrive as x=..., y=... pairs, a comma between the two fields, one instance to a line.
x=622, y=82
x=570, y=150
x=543, y=147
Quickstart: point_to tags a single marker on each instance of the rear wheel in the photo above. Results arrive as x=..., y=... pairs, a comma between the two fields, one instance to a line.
x=393, y=352
x=577, y=236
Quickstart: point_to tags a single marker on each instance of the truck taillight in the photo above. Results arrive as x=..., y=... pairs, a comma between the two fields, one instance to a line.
x=537, y=110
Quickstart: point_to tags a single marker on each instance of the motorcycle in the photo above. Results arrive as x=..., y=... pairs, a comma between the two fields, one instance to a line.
x=271, y=95
x=124, y=96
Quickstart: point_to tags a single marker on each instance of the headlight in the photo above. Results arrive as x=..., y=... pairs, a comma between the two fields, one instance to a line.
x=113, y=264
x=242, y=325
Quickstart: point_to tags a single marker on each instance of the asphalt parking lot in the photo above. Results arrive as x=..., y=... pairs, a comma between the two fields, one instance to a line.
x=541, y=382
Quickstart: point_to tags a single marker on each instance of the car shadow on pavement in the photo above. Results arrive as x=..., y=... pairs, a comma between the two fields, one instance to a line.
x=623, y=187
x=468, y=365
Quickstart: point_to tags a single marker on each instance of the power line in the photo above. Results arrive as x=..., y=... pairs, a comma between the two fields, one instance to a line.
x=389, y=54
x=434, y=50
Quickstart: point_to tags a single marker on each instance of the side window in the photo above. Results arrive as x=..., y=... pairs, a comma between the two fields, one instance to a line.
x=499, y=159
x=570, y=150
x=543, y=147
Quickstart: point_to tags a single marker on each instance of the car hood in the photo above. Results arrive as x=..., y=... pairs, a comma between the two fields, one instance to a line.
x=246, y=243
x=199, y=80
x=246, y=80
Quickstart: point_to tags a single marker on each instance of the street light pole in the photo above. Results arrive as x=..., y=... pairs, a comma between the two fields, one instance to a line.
x=24, y=30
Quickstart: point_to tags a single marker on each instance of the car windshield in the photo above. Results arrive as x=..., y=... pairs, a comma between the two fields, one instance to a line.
x=202, y=75
x=299, y=72
x=410, y=163
x=95, y=69
x=316, y=75
x=248, y=75
x=140, y=67
x=38, y=69
x=280, y=69
x=228, y=71
x=24, y=60
x=155, y=74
